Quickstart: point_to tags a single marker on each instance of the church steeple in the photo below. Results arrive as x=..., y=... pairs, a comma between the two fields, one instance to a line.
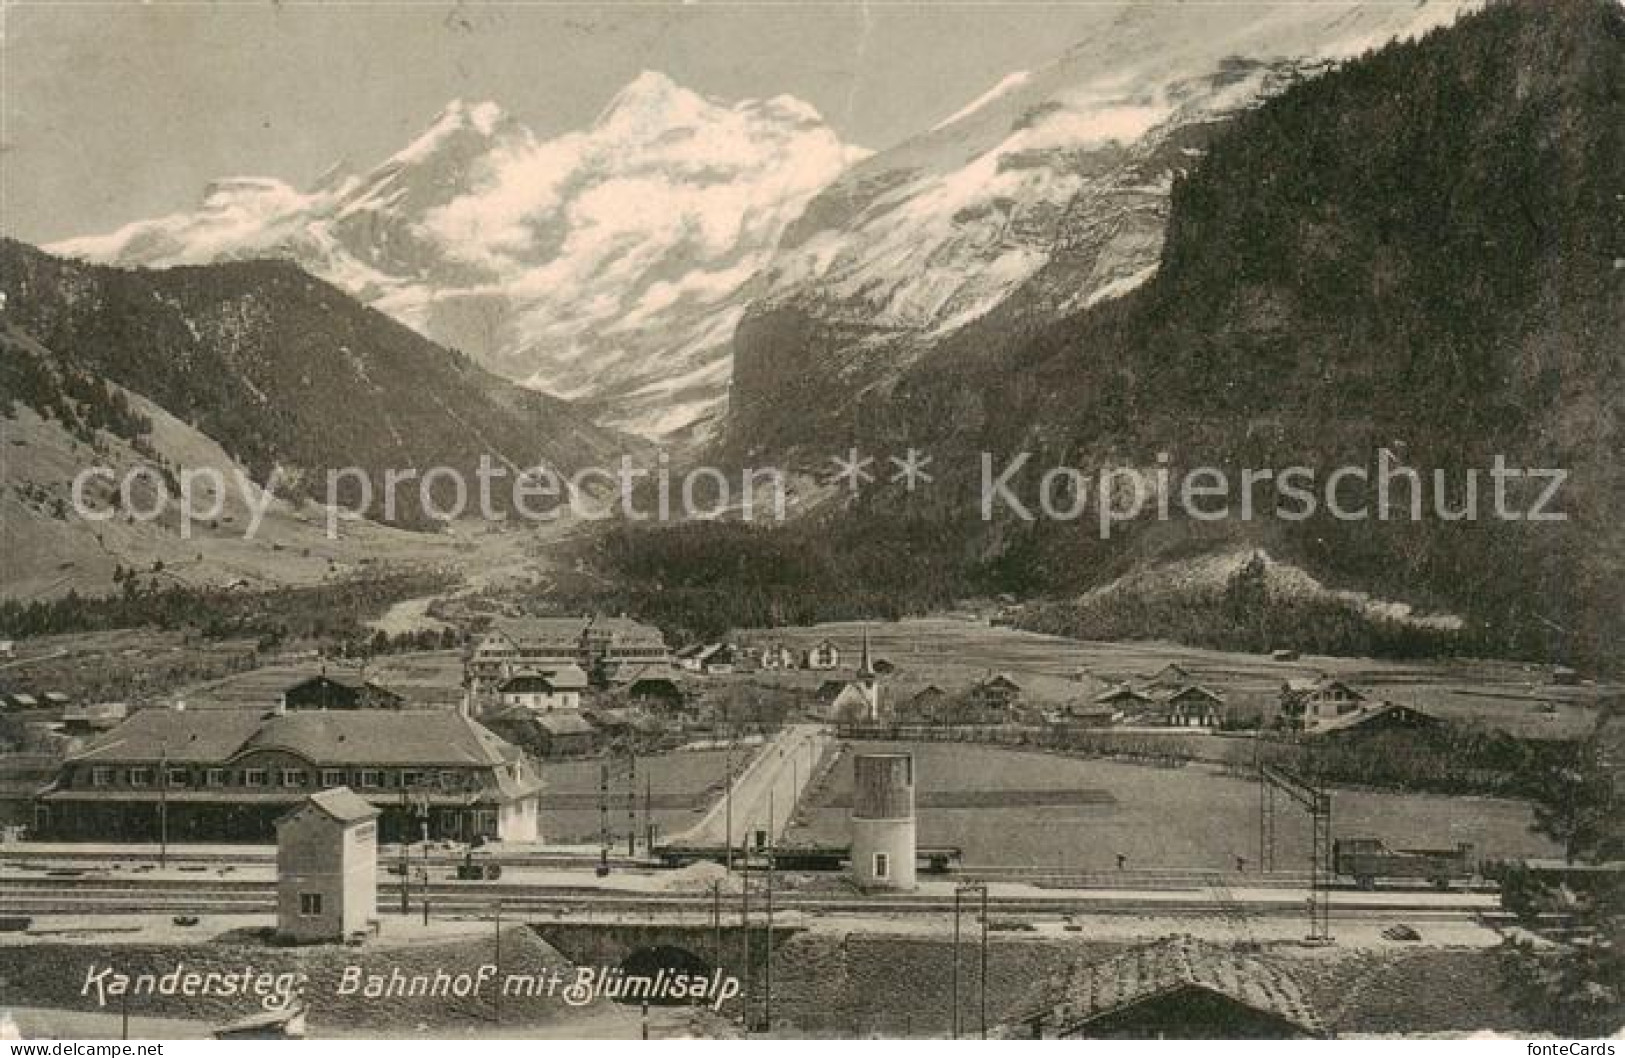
x=866, y=668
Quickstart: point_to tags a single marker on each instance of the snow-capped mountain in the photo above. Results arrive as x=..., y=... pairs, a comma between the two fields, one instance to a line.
x=1053, y=184
x=607, y=265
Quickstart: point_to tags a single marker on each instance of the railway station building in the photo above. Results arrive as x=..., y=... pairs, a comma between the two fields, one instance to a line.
x=227, y=775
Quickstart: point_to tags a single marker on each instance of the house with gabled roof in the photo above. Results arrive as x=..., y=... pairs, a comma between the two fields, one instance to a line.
x=339, y=689
x=1190, y=705
x=1308, y=703
x=1178, y=988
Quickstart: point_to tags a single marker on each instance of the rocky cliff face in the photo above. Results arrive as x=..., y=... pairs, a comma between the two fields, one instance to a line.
x=1044, y=197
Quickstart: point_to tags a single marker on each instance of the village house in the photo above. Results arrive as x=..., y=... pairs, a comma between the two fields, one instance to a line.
x=1308, y=703
x=327, y=868
x=657, y=693
x=518, y=645
x=1190, y=706
x=825, y=657
x=339, y=690
x=997, y=694
x=1085, y=713
x=688, y=658
x=720, y=659
x=227, y=775
x=1376, y=720
x=559, y=688
x=1125, y=700
x=930, y=705
x=777, y=657
x=1170, y=677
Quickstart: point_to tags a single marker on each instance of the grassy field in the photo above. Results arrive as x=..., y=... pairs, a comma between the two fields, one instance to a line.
x=953, y=653
x=1082, y=813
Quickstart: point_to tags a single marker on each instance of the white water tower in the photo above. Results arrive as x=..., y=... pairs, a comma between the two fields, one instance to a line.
x=884, y=839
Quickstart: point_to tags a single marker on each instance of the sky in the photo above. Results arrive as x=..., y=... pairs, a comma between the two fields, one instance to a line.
x=118, y=111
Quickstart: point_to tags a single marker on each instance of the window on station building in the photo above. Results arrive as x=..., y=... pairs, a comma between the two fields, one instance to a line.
x=882, y=865
x=310, y=904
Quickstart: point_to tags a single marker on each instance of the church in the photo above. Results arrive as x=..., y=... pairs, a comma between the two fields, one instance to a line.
x=859, y=701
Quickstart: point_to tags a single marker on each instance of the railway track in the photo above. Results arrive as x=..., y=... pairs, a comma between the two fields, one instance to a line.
x=39, y=896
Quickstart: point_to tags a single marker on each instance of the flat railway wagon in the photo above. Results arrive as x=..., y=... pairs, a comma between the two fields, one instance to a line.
x=1369, y=861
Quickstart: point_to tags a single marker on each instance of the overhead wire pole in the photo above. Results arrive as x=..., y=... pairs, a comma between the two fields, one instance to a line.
x=1318, y=803
x=632, y=804
x=955, y=993
x=983, y=1015
x=767, y=957
x=163, y=805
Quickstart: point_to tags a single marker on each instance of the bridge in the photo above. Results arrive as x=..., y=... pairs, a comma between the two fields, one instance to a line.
x=643, y=948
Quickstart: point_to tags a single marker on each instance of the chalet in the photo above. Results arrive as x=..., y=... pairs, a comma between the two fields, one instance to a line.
x=1169, y=677
x=1375, y=720
x=720, y=659
x=1084, y=713
x=828, y=691
x=1190, y=706
x=825, y=657
x=339, y=690
x=622, y=723
x=1179, y=988
x=660, y=693
x=1305, y=703
x=931, y=705
x=517, y=645
x=559, y=688
x=688, y=658
x=777, y=656
x=227, y=775
x=997, y=693
x=1124, y=699
x=565, y=735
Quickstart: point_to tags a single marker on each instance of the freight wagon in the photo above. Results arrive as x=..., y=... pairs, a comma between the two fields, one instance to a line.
x=1369, y=861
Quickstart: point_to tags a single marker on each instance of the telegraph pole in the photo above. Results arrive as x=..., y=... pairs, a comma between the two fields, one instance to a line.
x=406, y=868
x=728, y=805
x=496, y=995
x=163, y=805
x=957, y=894
x=983, y=1016
x=648, y=824
x=767, y=963
x=603, y=818
x=632, y=804
x=744, y=932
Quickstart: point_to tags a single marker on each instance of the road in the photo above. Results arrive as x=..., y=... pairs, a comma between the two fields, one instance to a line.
x=765, y=793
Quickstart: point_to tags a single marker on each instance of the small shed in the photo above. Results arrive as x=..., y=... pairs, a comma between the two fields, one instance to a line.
x=327, y=868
